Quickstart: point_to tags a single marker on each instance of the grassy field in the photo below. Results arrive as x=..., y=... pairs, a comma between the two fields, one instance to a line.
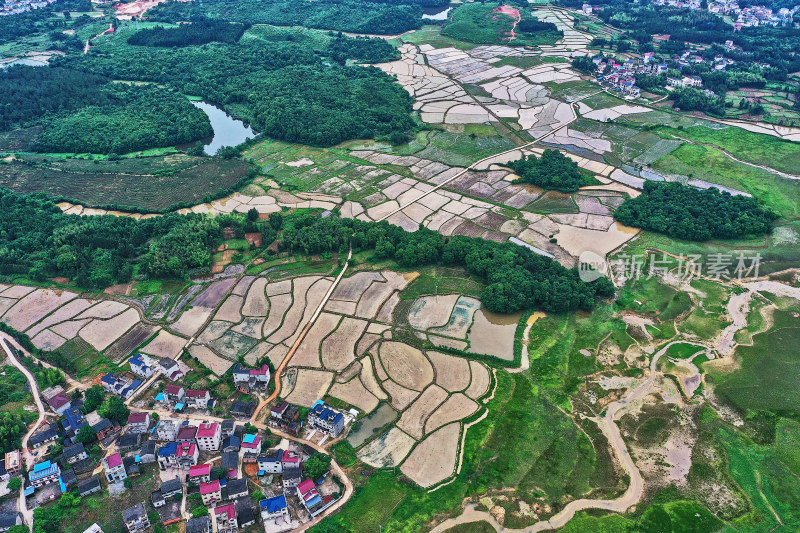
x=316, y=39
x=151, y=183
x=479, y=23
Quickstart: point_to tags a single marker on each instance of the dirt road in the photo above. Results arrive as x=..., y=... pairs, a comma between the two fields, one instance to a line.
x=29, y=459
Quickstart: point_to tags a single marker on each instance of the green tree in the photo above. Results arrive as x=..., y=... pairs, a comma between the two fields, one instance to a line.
x=93, y=398
x=316, y=465
x=199, y=511
x=86, y=435
x=114, y=408
x=14, y=484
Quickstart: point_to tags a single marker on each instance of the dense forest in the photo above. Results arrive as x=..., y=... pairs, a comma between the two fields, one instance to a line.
x=83, y=112
x=285, y=90
x=694, y=214
x=195, y=33
x=516, y=278
x=553, y=171
x=361, y=50
x=39, y=241
x=378, y=17
x=140, y=117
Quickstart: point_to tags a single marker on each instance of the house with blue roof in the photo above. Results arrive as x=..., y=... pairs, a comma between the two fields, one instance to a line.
x=272, y=508
x=73, y=420
x=326, y=419
x=44, y=473
x=142, y=365
x=120, y=384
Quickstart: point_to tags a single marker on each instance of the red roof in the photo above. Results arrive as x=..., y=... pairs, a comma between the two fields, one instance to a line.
x=199, y=470
x=207, y=430
x=289, y=457
x=208, y=488
x=58, y=401
x=173, y=389
x=306, y=486
x=187, y=432
x=137, y=418
x=229, y=510
x=185, y=449
x=196, y=393
x=114, y=461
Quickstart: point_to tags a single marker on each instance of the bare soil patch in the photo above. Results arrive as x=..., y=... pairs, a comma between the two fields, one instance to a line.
x=480, y=380
x=413, y=419
x=354, y=393
x=452, y=372
x=406, y=365
x=434, y=459
x=212, y=361
x=256, y=302
x=456, y=407
x=229, y=310
x=338, y=349
x=35, y=306
x=388, y=450
x=311, y=385
x=101, y=333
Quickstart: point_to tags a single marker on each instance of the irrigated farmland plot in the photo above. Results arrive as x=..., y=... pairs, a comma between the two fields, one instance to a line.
x=165, y=344
x=388, y=450
x=406, y=365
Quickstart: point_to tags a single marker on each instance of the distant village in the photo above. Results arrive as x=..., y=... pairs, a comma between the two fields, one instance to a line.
x=742, y=17
x=241, y=474
x=13, y=7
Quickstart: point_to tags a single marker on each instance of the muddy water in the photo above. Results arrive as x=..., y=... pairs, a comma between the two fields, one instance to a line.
x=372, y=424
x=228, y=131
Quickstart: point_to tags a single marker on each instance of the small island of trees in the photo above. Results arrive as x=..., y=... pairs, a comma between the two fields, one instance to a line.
x=695, y=214
x=553, y=171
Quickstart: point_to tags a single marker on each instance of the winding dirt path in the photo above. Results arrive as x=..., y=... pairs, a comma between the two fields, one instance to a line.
x=608, y=426
x=29, y=459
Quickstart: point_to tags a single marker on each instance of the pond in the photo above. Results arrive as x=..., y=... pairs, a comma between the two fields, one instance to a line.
x=228, y=131
x=436, y=13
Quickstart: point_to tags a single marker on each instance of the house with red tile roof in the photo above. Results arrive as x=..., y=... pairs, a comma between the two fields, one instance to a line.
x=211, y=492
x=209, y=436
x=114, y=468
x=200, y=473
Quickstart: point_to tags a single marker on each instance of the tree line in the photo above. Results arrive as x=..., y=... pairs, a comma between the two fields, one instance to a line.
x=695, y=214
x=515, y=277
x=384, y=17
x=191, y=34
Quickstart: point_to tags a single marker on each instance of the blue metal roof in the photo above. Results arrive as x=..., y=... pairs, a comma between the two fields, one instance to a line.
x=39, y=473
x=42, y=466
x=170, y=448
x=249, y=438
x=109, y=378
x=160, y=397
x=274, y=505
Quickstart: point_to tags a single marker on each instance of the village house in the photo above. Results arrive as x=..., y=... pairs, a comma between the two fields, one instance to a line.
x=158, y=499
x=89, y=486
x=171, y=487
x=44, y=473
x=309, y=496
x=105, y=428
x=120, y=384
x=228, y=427
x=201, y=524
x=226, y=518
x=200, y=473
x=230, y=462
x=242, y=409
x=291, y=477
x=244, y=514
x=325, y=419
x=13, y=462
x=148, y=452
x=138, y=422
x=285, y=417
x=271, y=464
x=9, y=520
x=235, y=488
x=290, y=460
x=114, y=469
x=44, y=436
x=73, y=420
x=209, y=436
x=199, y=399
x=73, y=453
x=177, y=455
x=251, y=443
x=170, y=369
x=231, y=443
x=167, y=430
x=129, y=442
x=187, y=434
x=249, y=379
x=174, y=393
x=142, y=365
x=136, y=519
x=211, y=492
x=274, y=507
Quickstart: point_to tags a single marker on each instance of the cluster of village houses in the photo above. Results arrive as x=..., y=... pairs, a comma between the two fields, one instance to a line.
x=742, y=16
x=180, y=446
x=621, y=77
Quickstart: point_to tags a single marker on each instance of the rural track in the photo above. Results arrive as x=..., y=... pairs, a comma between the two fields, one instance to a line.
x=299, y=340
x=608, y=426
x=23, y=504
